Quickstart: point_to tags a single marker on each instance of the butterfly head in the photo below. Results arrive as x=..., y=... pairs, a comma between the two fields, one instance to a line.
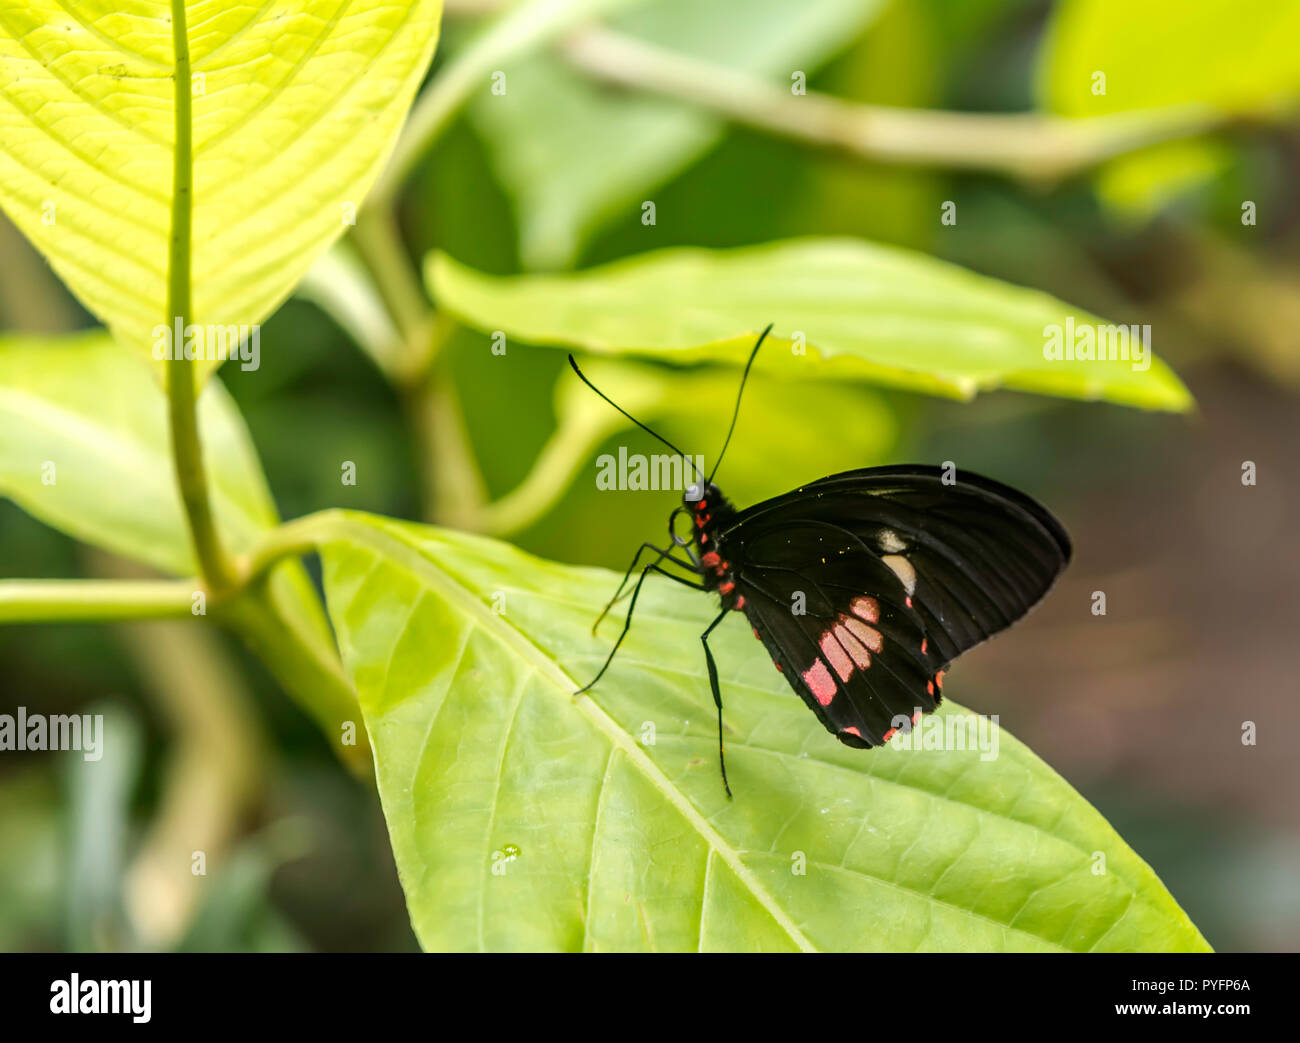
x=698, y=494
x=708, y=511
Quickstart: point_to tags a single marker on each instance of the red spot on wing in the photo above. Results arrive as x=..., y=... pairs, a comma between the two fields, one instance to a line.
x=851, y=730
x=710, y=560
x=938, y=679
x=820, y=683
x=726, y=588
x=909, y=602
x=890, y=734
x=916, y=716
x=740, y=602
x=929, y=687
x=923, y=644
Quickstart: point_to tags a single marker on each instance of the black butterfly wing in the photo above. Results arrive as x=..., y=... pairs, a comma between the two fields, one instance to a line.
x=860, y=661
x=896, y=572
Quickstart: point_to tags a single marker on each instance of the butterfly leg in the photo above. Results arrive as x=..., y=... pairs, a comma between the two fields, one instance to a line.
x=717, y=693
x=618, y=594
x=627, y=623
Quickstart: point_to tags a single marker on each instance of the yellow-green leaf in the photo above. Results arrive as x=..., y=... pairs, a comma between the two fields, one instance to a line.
x=1236, y=55
x=842, y=308
x=294, y=107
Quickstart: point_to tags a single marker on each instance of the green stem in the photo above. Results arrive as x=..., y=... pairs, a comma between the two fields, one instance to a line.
x=301, y=662
x=380, y=248
x=550, y=476
x=187, y=451
x=85, y=600
x=1026, y=145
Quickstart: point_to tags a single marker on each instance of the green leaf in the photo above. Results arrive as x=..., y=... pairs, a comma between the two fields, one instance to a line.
x=604, y=814
x=1222, y=53
x=574, y=156
x=867, y=311
x=295, y=107
x=84, y=447
x=1142, y=184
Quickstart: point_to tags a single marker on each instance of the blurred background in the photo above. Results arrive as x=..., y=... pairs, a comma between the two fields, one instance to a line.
x=1142, y=710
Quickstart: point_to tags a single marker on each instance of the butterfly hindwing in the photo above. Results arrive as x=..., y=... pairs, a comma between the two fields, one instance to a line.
x=836, y=621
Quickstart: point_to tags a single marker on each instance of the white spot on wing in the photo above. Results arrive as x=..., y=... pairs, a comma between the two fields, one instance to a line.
x=902, y=568
x=889, y=540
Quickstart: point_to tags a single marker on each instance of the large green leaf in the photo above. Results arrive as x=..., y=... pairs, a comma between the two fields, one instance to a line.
x=1236, y=55
x=867, y=311
x=295, y=106
x=604, y=814
x=574, y=156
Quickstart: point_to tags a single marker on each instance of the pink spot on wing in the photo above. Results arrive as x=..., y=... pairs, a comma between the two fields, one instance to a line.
x=890, y=734
x=938, y=679
x=867, y=608
x=916, y=716
x=923, y=644
x=909, y=602
x=820, y=683
x=852, y=645
x=837, y=656
x=726, y=588
x=850, y=730
x=740, y=601
x=869, y=636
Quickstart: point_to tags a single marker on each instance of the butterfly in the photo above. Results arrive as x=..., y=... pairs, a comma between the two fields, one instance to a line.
x=863, y=586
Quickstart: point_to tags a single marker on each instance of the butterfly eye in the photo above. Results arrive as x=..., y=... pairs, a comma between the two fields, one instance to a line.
x=680, y=541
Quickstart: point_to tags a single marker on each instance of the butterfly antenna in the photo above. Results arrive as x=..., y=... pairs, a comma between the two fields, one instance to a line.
x=736, y=412
x=643, y=427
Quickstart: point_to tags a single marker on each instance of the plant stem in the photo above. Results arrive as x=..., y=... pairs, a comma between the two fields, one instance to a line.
x=550, y=476
x=86, y=600
x=379, y=245
x=302, y=664
x=518, y=30
x=1025, y=145
x=454, y=492
x=187, y=451
x=211, y=780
